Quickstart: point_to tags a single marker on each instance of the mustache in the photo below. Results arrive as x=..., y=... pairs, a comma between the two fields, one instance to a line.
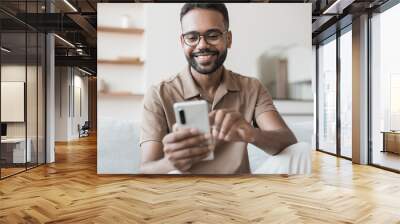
x=203, y=52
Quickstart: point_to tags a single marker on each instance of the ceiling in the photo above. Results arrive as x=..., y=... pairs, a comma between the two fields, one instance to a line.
x=76, y=22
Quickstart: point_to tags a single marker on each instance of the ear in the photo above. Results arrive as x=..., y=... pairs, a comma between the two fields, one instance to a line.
x=229, y=39
x=182, y=41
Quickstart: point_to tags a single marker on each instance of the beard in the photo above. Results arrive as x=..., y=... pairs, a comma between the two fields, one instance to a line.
x=207, y=67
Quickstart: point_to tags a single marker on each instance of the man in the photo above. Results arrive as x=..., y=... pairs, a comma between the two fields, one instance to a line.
x=235, y=102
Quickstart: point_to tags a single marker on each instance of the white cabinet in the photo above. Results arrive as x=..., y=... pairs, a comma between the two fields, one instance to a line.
x=17, y=147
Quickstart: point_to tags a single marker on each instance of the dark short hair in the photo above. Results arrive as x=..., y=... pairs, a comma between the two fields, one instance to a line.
x=219, y=7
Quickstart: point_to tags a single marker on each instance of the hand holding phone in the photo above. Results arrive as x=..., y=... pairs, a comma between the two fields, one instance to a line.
x=184, y=147
x=194, y=115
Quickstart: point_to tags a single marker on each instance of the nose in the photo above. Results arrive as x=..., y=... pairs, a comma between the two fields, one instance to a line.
x=202, y=43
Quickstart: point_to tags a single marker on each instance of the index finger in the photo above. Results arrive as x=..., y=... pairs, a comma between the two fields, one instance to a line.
x=212, y=114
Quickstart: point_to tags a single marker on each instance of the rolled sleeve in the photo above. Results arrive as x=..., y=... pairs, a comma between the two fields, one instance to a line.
x=264, y=100
x=154, y=124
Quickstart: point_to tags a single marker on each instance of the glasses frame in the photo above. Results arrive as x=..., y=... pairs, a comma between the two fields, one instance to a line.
x=202, y=35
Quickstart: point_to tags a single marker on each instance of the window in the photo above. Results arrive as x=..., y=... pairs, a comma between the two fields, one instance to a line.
x=327, y=96
x=346, y=93
x=22, y=75
x=385, y=89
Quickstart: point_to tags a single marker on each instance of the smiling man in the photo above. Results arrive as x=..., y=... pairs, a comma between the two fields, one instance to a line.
x=241, y=109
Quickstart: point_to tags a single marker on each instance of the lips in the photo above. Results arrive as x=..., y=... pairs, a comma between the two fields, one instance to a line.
x=204, y=57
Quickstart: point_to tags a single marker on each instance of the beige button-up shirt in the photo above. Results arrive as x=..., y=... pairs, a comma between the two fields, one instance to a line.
x=235, y=92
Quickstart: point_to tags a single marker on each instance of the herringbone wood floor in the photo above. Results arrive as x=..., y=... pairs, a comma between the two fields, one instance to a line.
x=70, y=191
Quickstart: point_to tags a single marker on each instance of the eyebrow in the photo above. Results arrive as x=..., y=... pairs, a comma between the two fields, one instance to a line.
x=210, y=30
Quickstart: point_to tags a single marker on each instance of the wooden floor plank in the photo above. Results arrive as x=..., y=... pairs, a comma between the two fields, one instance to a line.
x=70, y=191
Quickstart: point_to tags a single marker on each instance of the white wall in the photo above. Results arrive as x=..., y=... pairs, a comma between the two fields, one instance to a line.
x=18, y=73
x=114, y=46
x=164, y=55
x=13, y=93
x=115, y=14
x=66, y=121
x=61, y=103
x=80, y=83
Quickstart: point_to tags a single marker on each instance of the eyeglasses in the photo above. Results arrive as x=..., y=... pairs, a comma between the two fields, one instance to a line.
x=212, y=37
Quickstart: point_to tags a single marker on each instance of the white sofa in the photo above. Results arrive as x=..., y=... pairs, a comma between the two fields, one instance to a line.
x=295, y=159
x=117, y=146
x=118, y=152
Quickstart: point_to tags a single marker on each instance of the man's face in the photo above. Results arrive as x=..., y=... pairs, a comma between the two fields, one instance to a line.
x=204, y=57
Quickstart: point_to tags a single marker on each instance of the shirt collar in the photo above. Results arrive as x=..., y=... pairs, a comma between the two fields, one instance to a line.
x=190, y=89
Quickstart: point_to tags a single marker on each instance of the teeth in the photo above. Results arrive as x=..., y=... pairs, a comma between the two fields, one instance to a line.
x=203, y=55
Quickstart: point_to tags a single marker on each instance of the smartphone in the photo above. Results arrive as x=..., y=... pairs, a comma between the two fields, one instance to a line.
x=194, y=114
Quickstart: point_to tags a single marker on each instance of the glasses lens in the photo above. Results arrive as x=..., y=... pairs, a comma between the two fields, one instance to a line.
x=191, y=38
x=213, y=37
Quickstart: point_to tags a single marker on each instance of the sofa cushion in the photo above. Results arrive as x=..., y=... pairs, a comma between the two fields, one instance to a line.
x=118, y=151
